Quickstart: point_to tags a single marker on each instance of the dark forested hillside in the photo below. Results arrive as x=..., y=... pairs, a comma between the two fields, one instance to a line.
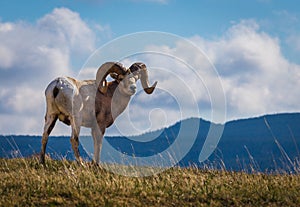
x=269, y=142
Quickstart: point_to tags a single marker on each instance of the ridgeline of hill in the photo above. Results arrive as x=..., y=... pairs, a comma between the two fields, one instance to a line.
x=24, y=182
x=265, y=144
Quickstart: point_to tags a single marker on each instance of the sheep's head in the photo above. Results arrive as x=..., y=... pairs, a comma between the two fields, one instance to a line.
x=140, y=70
x=126, y=78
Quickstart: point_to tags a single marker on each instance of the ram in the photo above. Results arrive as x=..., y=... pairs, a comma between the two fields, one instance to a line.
x=92, y=103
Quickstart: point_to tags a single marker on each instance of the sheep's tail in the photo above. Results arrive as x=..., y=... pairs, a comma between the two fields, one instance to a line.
x=61, y=83
x=55, y=91
x=61, y=86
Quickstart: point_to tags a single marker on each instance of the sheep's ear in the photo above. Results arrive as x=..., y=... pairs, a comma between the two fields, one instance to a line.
x=121, y=77
x=114, y=76
x=103, y=87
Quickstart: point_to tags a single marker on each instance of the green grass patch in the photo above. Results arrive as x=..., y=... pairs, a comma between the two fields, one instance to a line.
x=24, y=182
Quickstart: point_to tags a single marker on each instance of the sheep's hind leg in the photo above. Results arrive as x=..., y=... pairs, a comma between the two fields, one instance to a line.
x=75, y=142
x=49, y=125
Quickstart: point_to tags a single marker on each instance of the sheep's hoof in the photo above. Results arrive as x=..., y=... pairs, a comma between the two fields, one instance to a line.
x=80, y=161
x=42, y=160
x=95, y=164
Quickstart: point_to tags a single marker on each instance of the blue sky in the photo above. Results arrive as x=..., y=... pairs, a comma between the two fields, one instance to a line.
x=195, y=17
x=253, y=45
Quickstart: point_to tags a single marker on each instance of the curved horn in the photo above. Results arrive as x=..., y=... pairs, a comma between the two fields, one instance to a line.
x=104, y=70
x=141, y=67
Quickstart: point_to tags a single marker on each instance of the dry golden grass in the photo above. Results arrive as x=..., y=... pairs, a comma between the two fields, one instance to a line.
x=24, y=182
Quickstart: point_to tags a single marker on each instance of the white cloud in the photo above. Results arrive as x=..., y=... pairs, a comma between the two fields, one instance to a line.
x=67, y=26
x=31, y=55
x=16, y=124
x=25, y=100
x=178, y=92
x=6, y=58
x=256, y=76
x=87, y=73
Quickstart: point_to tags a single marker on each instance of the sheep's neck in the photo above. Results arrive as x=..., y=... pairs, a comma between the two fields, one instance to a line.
x=119, y=103
x=109, y=106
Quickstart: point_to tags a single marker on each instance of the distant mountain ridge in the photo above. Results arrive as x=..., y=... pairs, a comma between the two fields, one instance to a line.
x=259, y=143
x=269, y=142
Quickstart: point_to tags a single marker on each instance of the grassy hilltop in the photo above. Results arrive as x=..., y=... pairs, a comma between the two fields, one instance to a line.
x=23, y=182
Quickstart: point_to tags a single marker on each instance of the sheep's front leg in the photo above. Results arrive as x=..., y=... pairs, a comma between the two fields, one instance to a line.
x=50, y=121
x=98, y=137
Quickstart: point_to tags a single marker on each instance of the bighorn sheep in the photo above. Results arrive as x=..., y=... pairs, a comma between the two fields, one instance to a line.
x=92, y=103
